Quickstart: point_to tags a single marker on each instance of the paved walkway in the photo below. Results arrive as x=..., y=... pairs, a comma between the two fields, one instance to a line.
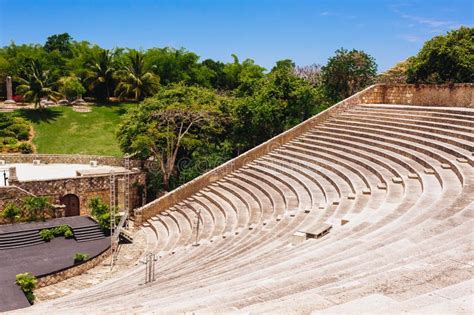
x=41, y=259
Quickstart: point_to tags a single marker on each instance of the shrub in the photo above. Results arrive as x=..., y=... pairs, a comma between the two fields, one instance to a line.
x=11, y=212
x=47, y=234
x=9, y=140
x=25, y=148
x=27, y=283
x=71, y=88
x=80, y=257
x=100, y=212
x=35, y=206
x=62, y=230
x=68, y=234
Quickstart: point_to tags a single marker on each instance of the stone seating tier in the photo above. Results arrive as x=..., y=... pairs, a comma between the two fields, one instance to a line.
x=370, y=210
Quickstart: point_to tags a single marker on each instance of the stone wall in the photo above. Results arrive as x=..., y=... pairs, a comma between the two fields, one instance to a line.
x=85, y=187
x=453, y=95
x=11, y=194
x=72, y=271
x=445, y=95
x=68, y=159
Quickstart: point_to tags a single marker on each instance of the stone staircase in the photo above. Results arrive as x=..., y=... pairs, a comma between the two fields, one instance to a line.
x=88, y=233
x=18, y=239
x=371, y=209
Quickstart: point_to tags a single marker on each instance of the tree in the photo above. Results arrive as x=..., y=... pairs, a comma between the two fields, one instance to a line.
x=35, y=83
x=277, y=102
x=70, y=88
x=347, y=73
x=136, y=79
x=100, y=73
x=179, y=117
x=59, y=42
x=448, y=58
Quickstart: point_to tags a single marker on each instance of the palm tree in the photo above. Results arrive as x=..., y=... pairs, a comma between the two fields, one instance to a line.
x=100, y=73
x=35, y=83
x=135, y=78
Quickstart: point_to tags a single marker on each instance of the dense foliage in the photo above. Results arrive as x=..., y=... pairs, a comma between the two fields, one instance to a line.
x=188, y=130
x=100, y=211
x=448, y=58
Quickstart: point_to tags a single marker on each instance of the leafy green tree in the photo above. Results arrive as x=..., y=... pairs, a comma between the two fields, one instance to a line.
x=36, y=83
x=242, y=76
x=70, y=87
x=136, y=79
x=278, y=102
x=347, y=73
x=179, y=117
x=59, y=42
x=448, y=58
x=11, y=212
x=172, y=65
x=100, y=74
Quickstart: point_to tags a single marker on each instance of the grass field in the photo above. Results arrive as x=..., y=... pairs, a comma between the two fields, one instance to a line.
x=64, y=131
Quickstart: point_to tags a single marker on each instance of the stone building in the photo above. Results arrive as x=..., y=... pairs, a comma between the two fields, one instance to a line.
x=70, y=181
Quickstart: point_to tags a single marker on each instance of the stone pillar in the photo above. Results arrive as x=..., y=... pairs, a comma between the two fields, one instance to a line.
x=9, y=91
x=12, y=178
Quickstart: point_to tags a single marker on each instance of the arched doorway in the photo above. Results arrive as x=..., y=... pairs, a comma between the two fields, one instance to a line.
x=71, y=202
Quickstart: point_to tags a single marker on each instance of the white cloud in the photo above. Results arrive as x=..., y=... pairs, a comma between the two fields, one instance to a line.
x=410, y=38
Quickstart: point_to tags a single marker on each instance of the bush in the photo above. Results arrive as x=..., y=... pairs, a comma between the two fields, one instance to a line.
x=27, y=283
x=100, y=212
x=71, y=88
x=80, y=257
x=9, y=140
x=62, y=230
x=36, y=206
x=68, y=234
x=46, y=234
x=25, y=148
x=11, y=212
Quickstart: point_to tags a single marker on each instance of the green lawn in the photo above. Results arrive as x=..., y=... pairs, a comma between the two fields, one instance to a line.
x=64, y=131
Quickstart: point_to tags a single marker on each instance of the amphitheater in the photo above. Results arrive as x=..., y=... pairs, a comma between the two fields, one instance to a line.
x=365, y=208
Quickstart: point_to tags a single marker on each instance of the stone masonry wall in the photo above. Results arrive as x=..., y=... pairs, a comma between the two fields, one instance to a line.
x=72, y=271
x=11, y=194
x=85, y=187
x=453, y=95
x=445, y=95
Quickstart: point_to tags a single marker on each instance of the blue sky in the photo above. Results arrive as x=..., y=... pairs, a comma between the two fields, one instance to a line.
x=306, y=31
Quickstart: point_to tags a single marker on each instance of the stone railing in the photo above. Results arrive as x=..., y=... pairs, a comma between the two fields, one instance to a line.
x=61, y=275
x=67, y=159
x=11, y=194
